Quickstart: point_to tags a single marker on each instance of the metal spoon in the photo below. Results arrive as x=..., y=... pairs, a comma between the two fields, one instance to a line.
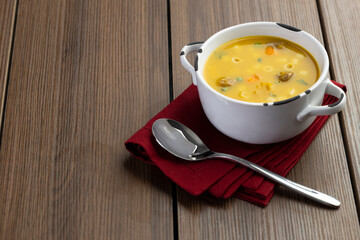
x=182, y=142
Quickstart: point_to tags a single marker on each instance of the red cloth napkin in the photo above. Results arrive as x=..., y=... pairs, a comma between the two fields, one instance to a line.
x=221, y=178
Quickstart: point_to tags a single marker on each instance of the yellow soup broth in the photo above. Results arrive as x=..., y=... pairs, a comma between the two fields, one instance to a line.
x=260, y=69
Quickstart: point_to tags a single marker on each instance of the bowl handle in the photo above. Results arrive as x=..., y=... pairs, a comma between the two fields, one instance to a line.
x=190, y=47
x=333, y=108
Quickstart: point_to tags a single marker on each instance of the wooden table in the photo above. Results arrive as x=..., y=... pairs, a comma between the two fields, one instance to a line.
x=80, y=77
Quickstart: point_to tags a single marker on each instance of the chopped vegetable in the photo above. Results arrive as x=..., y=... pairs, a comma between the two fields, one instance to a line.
x=226, y=82
x=236, y=59
x=239, y=79
x=253, y=78
x=285, y=76
x=220, y=54
x=259, y=60
x=223, y=89
x=302, y=81
x=273, y=95
x=268, y=68
x=269, y=50
x=243, y=94
x=257, y=43
x=270, y=99
x=267, y=85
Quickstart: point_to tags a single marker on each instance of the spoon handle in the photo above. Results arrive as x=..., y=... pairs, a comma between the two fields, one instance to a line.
x=305, y=191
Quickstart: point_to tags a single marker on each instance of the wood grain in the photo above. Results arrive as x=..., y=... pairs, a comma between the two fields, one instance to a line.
x=343, y=34
x=7, y=23
x=85, y=75
x=323, y=167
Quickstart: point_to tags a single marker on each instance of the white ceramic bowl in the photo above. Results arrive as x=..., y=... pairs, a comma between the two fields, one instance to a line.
x=262, y=123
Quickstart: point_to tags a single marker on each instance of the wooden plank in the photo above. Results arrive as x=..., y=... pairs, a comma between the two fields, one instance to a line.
x=342, y=35
x=7, y=20
x=82, y=81
x=323, y=167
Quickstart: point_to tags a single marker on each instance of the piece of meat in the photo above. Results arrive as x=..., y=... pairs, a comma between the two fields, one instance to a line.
x=285, y=76
x=226, y=82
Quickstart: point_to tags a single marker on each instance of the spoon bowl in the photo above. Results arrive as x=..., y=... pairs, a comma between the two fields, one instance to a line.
x=178, y=139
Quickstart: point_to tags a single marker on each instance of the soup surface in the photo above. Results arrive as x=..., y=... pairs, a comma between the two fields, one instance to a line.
x=260, y=69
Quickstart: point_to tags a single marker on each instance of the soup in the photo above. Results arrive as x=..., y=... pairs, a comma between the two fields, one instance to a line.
x=260, y=69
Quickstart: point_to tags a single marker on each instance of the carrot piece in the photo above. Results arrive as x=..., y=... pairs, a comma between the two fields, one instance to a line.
x=253, y=78
x=269, y=50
